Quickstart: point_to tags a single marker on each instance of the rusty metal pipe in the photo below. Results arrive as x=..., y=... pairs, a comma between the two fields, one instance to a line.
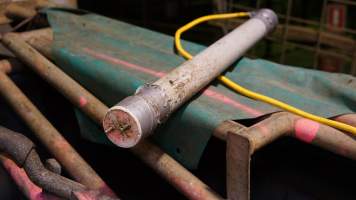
x=137, y=116
x=287, y=124
x=46, y=33
x=14, y=11
x=43, y=66
x=162, y=163
x=349, y=119
x=49, y=136
x=8, y=66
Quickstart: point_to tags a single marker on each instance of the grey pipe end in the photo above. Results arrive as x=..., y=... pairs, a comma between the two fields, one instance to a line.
x=135, y=117
x=127, y=122
x=267, y=16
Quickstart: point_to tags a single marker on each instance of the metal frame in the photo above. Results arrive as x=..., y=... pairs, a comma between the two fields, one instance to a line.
x=343, y=47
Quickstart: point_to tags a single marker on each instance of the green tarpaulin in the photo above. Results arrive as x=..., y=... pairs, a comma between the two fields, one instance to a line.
x=112, y=59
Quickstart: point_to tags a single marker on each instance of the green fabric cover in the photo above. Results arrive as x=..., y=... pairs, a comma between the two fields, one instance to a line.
x=112, y=59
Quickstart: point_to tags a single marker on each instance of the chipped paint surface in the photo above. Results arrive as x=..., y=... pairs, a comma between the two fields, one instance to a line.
x=82, y=101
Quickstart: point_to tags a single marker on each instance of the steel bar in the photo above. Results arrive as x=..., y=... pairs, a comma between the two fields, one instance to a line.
x=287, y=124
x=304, y=34
x=349, y=119
x=31, y=57
x=49, y=136
x=137, y=116
x=321, y=27
x=285, y=32
x=46, y=33
x=8, y=66
x=14, y=11
x=4, y=20
x=162, y=163
x=295, y=19
x=238, y=156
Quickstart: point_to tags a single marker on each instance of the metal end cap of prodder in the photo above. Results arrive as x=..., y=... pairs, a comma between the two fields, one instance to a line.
x=135, y=117
x=124, y=124
x=267, y=16
x=121, y=127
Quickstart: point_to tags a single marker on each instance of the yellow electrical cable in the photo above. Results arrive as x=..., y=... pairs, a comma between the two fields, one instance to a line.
x=244, y=91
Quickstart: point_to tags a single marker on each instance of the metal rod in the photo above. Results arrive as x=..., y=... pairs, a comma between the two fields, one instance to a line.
x=14, y=11
x=285, y=32
x=287, y=124
x=49, y=136
x=31, y=57
x=8, y=66
x=162, y=163
x=153, y=103
x=321, y=27
x=349, y=119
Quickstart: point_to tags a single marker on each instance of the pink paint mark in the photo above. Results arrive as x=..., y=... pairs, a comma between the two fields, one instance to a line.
x=103, y=192
x=122, y=62
x=82, y=101
x=227, y=100
x=106, y=190
x=306, y=130
x=208, y=92
x=84, y=196
x=29, y=189
x=263, y=129
x=89, y=195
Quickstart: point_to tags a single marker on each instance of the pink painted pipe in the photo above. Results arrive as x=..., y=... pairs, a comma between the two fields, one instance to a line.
x=287, y=124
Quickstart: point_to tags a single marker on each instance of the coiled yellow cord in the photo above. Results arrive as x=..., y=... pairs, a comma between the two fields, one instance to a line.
x=244, y=91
